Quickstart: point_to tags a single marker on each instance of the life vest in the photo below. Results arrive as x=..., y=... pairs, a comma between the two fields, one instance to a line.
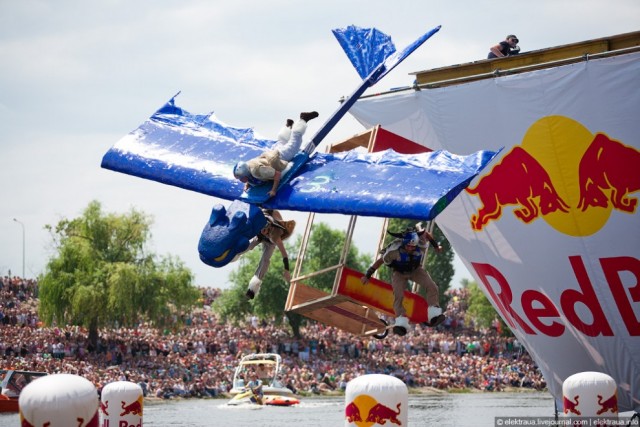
x=407, y=262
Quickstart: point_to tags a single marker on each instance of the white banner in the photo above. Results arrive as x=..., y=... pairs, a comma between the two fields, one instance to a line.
x=551, y=230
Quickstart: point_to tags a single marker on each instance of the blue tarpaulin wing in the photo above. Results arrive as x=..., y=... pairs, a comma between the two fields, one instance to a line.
x=376, y=61
x=366, y=48
x=198, y=152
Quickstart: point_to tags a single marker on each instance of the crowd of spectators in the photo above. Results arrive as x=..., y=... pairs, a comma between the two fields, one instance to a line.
x=199, y=360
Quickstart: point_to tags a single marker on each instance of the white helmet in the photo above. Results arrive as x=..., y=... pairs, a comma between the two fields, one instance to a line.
x=241, y=170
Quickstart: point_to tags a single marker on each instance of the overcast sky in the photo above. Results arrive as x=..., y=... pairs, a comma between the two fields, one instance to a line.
x=76, y=76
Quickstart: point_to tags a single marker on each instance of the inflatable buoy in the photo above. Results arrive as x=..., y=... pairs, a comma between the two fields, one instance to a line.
x=59, y=400
x=590, y=394
x=376, y=399
x=121, y=404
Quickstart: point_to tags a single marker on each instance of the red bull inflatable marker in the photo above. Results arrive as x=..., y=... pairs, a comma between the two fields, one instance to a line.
x=121, y=405
x=61, y=400
x=590, y=395
x=376, y=400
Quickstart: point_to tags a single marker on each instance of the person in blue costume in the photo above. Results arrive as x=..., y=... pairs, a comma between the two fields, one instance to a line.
x=270, y=164
x=404, y=257
x=507, y=47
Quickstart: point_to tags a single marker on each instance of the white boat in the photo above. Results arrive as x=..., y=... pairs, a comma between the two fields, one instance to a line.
x=11, y=384
x=271, y=392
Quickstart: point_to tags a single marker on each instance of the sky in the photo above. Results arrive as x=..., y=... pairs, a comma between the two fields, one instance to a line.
x=77, y=76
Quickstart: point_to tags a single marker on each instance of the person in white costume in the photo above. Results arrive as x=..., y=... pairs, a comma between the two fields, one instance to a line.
x=269, y=165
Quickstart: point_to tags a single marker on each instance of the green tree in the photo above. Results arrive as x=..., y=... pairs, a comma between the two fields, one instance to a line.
x=324, y=249
x=232, y=305
x=439, y=265
x=102, y=275
x=481, y=311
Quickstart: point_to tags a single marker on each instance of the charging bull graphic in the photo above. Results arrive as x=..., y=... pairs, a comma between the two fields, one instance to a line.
x=228, y=232
x=518, y=180
x=380, y=414
x=611, y=404
x=352, y=413
x=134, y=408
x=609, y=165
x=571, y=178
x=365, y=411
x=103, y=407
x=570, y=406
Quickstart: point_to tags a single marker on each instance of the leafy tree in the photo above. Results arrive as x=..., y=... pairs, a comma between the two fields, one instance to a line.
x=481, y=311
x=439, y=265
x=102, y=275
x=324, y=249
x=233, y=305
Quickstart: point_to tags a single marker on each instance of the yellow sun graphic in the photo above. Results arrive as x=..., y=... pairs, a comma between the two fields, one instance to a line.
x=558, y=143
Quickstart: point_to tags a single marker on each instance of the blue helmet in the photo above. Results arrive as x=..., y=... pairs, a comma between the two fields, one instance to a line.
x=241, y=170
x=410, y=239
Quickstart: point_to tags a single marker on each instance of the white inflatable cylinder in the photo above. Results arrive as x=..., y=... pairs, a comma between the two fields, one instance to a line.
x=374, y=400
x=590, y=394
x=121, y=404
x=59, y=400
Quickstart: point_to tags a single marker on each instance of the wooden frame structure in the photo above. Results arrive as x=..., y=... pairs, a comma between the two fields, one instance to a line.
x=346, y=307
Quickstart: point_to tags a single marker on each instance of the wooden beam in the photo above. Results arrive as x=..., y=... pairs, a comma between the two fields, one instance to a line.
x=538, y=59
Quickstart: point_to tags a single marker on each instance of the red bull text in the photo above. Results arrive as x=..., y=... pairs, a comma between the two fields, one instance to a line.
x=535, y=306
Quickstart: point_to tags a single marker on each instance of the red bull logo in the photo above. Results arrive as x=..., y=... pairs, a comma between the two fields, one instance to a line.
x=103, y=408
x=570, y=406
x=352, y=413
x=563, y=174
x=609, y=405
x=365, y=411
x=134, y=408
x=609, y=166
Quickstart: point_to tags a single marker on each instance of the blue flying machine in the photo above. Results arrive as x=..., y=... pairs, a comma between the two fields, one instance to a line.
x=198, y=153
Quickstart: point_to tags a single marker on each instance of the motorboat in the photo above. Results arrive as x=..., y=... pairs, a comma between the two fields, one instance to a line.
x=266, y=367
x=13, y=381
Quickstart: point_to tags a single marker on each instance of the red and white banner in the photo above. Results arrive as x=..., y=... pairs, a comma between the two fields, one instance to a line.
x=551, y=230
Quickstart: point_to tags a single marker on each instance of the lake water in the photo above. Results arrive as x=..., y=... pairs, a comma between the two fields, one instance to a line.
x=470, y=409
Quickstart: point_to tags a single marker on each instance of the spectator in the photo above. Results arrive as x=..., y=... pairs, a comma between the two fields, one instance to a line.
x=172, y=368
x=507, y=47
